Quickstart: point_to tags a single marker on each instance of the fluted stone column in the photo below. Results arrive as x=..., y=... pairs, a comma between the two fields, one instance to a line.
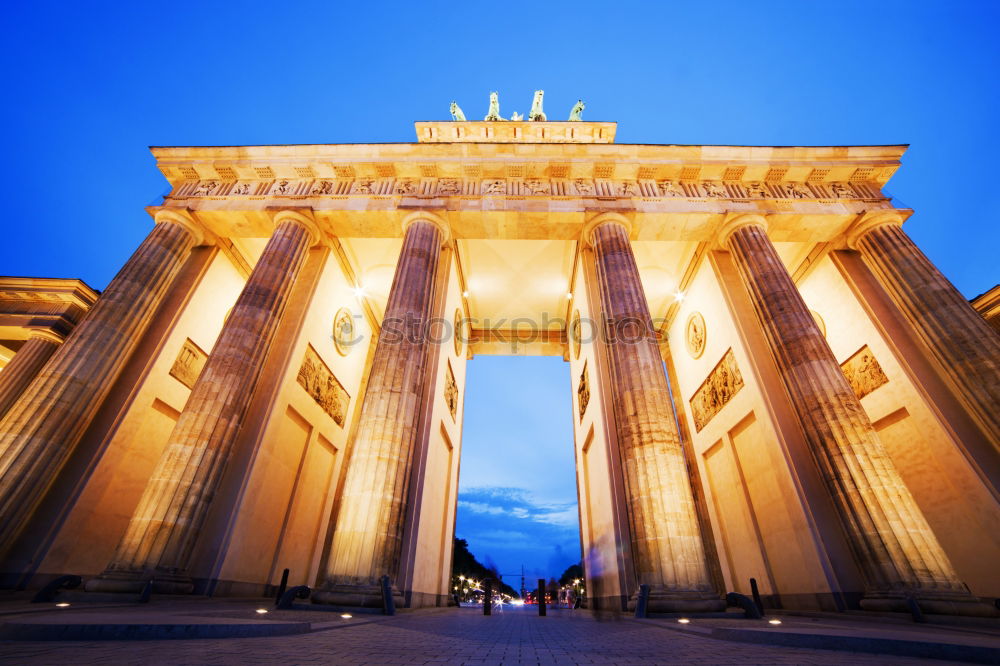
x=25, y=365
x=895, y=548
x=667, y=549
x=169, y=517
x=43, y=426
x=967, y=348
x=368, y=535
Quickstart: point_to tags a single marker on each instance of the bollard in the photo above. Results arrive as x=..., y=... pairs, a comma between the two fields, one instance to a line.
x=914, y=608
x=541, y=597
x=488, y=597
x=642, y=601
x=750, y=609
x=147, y=592
x=282, y=586
x=287, y=600
x=48, y=593
x=388, y=603
x=756, y=596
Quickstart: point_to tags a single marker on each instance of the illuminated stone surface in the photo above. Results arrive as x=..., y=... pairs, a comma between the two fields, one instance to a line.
x=115, y=454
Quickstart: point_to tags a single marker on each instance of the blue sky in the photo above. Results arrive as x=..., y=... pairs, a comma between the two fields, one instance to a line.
x=517, y=486
x=90, y=85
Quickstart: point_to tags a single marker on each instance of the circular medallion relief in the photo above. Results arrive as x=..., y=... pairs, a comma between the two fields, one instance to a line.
x=459, y=332
x=343, y=331
x=575, y=333
x=819, y=322
x=694, y=334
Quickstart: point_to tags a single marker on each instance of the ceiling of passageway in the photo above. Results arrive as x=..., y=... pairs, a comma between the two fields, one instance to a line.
x=522, y=279
x=517, y=280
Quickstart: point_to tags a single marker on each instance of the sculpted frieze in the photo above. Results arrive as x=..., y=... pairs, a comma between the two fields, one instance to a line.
x=722, y=383
x=863, y=372
x=538, y=187
x=405, y=186
x=206, y=188
x=449, y=186
x=713, y=189
x=320, y=383
x=495, y=186
x=323, y=187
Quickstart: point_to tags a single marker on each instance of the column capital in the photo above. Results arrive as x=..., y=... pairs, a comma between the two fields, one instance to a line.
x=734, y=221
x=47, y=334
x=430, y=218
x=182, y=217
x=604, y=218
x=303, y=216
x=869, y=221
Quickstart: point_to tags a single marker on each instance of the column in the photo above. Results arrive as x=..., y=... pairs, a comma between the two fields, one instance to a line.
x=25, y=365
x=667, y=549
x=168, y=519
x=965, y=346
x=46, y=422
x=368, y=534
x=894, y=546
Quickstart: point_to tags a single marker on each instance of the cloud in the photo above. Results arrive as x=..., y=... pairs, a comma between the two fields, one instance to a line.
x=515, y=527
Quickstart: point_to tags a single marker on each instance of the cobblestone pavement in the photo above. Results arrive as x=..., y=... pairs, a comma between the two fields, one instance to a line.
x=458, y=637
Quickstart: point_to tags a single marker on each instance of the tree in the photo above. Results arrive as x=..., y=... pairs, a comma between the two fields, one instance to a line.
x=573, y=572
x=464, y=563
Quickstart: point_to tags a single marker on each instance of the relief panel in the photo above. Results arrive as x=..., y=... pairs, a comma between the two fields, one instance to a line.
x=319, y=382
x=583, y=390
x=722, y=383
x=451, y=391
x=188, y=364
x=863, y=372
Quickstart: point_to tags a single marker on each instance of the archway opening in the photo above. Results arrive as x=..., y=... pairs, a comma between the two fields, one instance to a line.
x=517, y=498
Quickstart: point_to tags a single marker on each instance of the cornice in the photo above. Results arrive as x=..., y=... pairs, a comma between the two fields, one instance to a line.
x=727, y=164
x=47, y=290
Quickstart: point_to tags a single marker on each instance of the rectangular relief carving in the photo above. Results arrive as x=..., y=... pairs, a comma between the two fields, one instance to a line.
x=863, y=372
x=451, y=391
x=583, y=390
x=722, y=383
x=318, y=381
x=188, y=364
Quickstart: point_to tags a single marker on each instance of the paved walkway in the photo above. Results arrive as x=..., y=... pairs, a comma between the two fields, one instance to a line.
x=452, y=636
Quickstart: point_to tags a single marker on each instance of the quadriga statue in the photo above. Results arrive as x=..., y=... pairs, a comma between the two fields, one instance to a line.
x=494, y=112
x=456, y=112
x=576, y=113
x=536, y=114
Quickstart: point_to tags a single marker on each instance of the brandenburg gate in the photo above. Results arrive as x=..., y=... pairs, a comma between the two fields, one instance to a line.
x=770, y=380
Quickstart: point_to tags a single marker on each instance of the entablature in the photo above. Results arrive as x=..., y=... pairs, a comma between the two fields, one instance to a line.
x=551, y=161
x=28, y=304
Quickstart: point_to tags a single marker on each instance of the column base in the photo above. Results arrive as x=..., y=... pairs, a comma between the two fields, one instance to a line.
x=358, y=596
x=965, y=605
x=669, y=601
x=133, y=582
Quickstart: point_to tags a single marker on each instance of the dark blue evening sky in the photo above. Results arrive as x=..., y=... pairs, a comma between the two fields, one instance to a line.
x=89, y=86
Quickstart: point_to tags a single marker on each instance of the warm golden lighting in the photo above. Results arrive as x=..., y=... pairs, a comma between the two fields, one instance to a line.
x=684, y=620
x=774, y=621
x=678, y=295
x=62, y=604
x=347, y=616
x=465, y=294
x=359, y=291
x=261, y=611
